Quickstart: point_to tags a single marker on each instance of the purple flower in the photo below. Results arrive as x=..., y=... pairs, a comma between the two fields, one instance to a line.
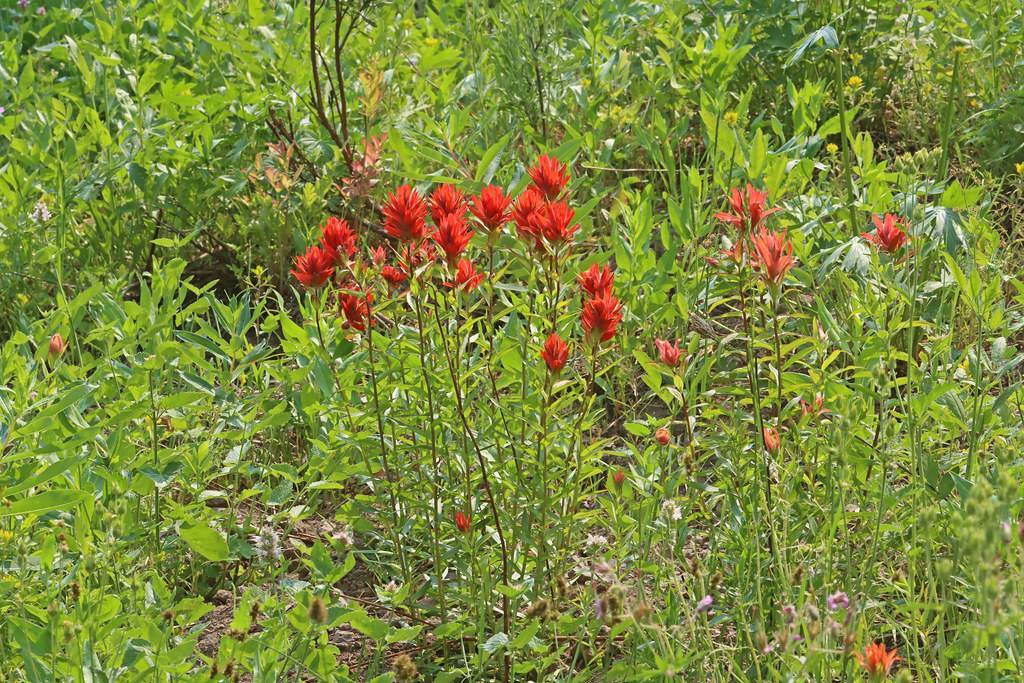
x=704, y=606
x=838, y=600
x=23, y=4
x=789, y=613
x=41, y=11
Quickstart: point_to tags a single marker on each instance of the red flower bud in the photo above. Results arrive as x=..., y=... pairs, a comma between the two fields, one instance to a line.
x=57, y=345
x=462, y=521
x=663, y=436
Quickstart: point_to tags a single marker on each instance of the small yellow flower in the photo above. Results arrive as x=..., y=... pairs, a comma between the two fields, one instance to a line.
x=1020, y=167
x=856, y=58
x=855, y=82
x=832, y=148
x=960, y=49
x=431, y=42
x=731, y=118
x=973, y=103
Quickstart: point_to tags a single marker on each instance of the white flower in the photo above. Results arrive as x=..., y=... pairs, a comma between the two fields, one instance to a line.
x=267, y=544
x=40, y=214
x=671, y=510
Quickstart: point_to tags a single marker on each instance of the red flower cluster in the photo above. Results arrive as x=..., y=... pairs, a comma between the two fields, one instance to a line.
x=748, y=209
x=314, y=268
x=601, y=317
x=772, y=251
x=339, y=238
x=491, y=208
x=888, y=235
x=668, y=352
x=877, y=661
x=427, y=228
x=541, y=218
x=555, y=353
x=774, y=255
x=597, y=281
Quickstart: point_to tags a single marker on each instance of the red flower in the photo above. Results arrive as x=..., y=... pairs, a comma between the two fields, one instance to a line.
x=667, y=352
x=57, y=345
x=597, y=281
x=556, y=223
x=549, y=176
x=601, y=316
x=663, y=436
x=525, y=215
x=555, y=353
x=394, y=276
x=466, y=277
x=816, y=408
x=338, y=237
x=888, y=235
x=748, y=211
x=491, y=208
x=877, y=660
x=462, y=522
x=452, y=236
x=775, y=255
x=619, y=478
x=772, y=441
x=404, y=214
x=314, y=268
x=378, y=255
x=355, y=307
x=447, y=200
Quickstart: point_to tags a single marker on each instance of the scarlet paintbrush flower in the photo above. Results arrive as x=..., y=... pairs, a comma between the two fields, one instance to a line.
x=601, y=317
x=466, y=277
x=355, y=307
x=662, y=436
x=452, y=236
x=619, y=478
x=549, y=176
x=877, y=660
x=338, y=237
x=378, y=255
x=748, y=209
x=774, y=255
x=315, y=267
x=57, y=345
x=555, y=353
x=491, y=208
x=404, y=214
x=394, y=276
x=772, y=441
x=462, y=522
x=668, y=352
x=597, y=281
x=888, y=235
x=447, y=200
x=816, y=408
x=525, y=213
x=556, y=223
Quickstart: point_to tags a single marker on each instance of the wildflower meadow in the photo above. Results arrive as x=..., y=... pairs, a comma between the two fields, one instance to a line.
x=465, y=340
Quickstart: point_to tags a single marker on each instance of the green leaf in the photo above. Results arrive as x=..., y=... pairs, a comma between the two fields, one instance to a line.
x=206, y=541
x=496, y=642
x=370, y=627
x=57, y=499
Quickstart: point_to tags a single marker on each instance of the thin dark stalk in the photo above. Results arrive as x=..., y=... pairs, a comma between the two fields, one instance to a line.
x=488, y=491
